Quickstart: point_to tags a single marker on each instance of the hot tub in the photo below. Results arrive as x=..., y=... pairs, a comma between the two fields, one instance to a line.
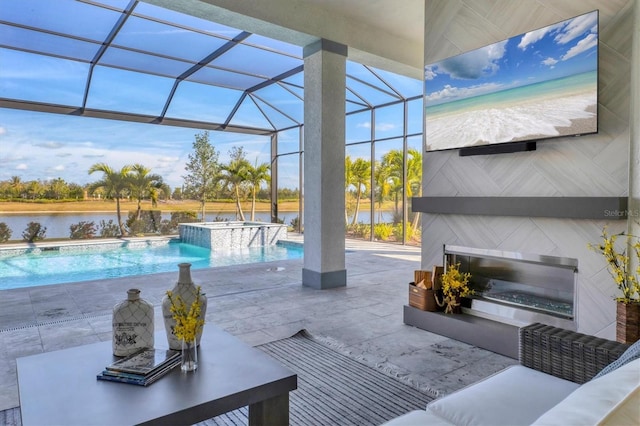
x=232, y=234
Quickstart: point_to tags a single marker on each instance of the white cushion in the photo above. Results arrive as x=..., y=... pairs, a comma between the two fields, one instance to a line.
x=612, y=399
x=418, y=418
x=515, y=396
x=632, y=353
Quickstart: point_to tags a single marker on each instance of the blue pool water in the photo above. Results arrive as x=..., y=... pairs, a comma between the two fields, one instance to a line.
x=56, y=267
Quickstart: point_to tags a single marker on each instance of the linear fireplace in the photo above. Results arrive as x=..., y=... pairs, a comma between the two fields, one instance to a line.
x=519, y=288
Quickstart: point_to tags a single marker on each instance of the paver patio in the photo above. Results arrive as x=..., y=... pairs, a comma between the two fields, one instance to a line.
x=259, y=303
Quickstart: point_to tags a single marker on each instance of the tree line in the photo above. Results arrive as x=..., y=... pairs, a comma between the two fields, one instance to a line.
x=207, y=179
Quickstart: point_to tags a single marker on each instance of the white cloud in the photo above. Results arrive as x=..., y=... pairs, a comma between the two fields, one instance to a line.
x=59, y=168
x=168, y=160
x=50, y=145
x=22, y=166
x=550, y=62
x=429, y=73
x=2, y=130
x=565, y=32
x=583, y=45
x=533, y=36
x=475, y=64
x=576, y=27
x=385, y=127
x=450, y=92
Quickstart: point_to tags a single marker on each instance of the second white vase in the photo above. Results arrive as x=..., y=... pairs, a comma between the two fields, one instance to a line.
x=186, y=290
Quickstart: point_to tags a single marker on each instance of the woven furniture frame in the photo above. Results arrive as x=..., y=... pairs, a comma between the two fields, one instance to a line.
x=566, y=354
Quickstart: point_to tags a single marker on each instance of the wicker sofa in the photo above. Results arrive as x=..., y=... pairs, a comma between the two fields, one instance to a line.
x=556, y=383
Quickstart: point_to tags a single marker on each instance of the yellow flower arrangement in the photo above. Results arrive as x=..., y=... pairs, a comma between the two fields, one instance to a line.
x=619, y=267
x=455, y=285
x=188, y=322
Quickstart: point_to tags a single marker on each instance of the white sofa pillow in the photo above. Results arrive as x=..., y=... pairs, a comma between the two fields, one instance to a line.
x=515, y=396
x=613, y=399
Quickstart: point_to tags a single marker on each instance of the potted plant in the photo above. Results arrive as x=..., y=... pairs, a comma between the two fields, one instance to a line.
x=627, y=280
x=455, y=286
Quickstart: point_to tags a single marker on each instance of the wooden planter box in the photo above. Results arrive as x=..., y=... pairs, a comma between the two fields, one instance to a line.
x=422, y=298
x=627, y=322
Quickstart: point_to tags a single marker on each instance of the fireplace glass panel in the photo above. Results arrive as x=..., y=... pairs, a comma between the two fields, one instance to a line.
x=541, y=285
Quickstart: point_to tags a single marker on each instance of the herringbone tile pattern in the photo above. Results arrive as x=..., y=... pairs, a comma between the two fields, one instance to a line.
x=593, y=165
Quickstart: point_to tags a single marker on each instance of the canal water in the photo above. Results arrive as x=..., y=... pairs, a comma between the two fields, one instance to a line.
x=58, y=224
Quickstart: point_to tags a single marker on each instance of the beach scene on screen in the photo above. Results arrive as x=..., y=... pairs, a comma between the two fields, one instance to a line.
x=538, y=85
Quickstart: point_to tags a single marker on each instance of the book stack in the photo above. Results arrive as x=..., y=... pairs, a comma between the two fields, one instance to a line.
x=141, y=368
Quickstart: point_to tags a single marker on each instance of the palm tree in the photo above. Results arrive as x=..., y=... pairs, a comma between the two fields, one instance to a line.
x=234, y=177
x=35, y=189
x=115, y=184
x=59, y=188
x=358, y=175
x=255, y=176
x=414, y=179
x=16, y=186
x=384, y=184
x=393, y=161
x=144, y=184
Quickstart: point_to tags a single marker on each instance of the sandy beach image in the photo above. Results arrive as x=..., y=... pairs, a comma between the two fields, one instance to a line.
x=509, y=122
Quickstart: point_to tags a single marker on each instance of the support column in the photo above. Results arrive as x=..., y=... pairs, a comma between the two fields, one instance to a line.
x=274, y=178
x=633, y=218
x=324, y=154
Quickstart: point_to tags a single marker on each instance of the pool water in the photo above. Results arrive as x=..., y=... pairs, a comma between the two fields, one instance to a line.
x=56, y=267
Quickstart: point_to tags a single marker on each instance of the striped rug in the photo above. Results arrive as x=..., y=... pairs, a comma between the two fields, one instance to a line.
x=333, y=387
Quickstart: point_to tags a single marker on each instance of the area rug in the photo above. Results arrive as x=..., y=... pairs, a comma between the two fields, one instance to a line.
x=334, y=388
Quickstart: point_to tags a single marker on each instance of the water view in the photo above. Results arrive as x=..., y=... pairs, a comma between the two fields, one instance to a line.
x=58, y=224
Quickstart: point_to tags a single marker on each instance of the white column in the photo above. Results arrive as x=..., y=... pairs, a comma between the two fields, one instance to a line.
x=324, y=147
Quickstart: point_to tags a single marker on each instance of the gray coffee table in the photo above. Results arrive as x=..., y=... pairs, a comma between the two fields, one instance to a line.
x=61, y=387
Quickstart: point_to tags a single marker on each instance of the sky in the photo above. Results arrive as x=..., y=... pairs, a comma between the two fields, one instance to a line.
x=552, y=52
x=42, y=146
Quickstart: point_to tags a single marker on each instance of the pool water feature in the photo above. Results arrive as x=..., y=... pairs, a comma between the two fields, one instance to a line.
x=232, y=234
x=74, y=263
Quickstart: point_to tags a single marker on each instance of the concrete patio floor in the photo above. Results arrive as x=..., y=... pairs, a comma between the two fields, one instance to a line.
x=258, y=303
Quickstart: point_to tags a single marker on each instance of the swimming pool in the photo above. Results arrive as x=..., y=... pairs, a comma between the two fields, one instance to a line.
x=85, y=263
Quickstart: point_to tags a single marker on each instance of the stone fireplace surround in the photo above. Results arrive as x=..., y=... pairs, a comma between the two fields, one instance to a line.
x=511, y=290
x=564, y=237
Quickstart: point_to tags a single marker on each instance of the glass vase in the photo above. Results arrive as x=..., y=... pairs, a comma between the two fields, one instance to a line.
x=189, y=355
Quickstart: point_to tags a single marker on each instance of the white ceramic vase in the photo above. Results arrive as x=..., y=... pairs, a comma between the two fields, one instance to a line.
x=132, y=324
x=186, y=290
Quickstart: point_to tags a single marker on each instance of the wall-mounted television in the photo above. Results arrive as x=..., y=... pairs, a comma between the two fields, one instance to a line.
x=538, y=85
